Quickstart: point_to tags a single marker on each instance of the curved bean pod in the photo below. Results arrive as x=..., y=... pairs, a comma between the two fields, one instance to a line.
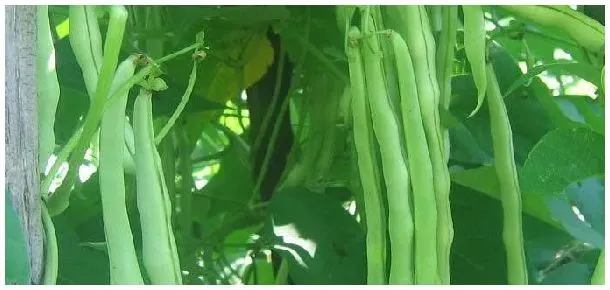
x=375, y=229
x=86, y=42
x=474, y=46
x=444, y=60
x=584, y=30
x=158, y=244
x=506, y=171
x=124, y=267
x=47, y=87
x=60, y=200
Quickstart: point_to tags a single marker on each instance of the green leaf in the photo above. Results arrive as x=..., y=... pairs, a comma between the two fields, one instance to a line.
x=477, y=252
x=78, y=264
x=561, y=157
x=582, y=70
x=557, y=169
x=485, y=180
x=322, y=243
x=582, y=110
x=16, y=260
x=465, y=148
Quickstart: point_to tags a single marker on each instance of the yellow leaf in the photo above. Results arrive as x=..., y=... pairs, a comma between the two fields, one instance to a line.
x=258, y=56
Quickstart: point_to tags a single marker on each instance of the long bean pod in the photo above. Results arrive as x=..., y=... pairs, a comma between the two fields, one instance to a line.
x=444, y=60
x=474, y=46
x=509, y=184
x=124, y=268
x=60, y=200
x=375, y=229
x=158, y=244
x=396, y=175
x=86, y=42
x=420, y=165
x=437, y=230
x=585, y=31
x=47, y=86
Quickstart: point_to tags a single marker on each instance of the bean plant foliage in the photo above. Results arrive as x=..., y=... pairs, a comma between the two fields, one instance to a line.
x=265, y=198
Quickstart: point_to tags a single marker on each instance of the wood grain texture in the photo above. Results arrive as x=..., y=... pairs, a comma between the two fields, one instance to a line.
x=21, y=135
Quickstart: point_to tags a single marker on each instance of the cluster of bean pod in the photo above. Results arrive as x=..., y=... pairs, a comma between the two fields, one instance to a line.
x=417, y=184
x=120, y=147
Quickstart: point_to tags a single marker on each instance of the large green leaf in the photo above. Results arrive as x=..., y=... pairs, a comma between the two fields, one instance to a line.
x=78, y=264
x=477, y=254
x=528, y=118
x=582, y=110
x=560, y=158
x=485, y=180
x=478, y=257
x=16, y=260
x=557, y=169
x=322, y=243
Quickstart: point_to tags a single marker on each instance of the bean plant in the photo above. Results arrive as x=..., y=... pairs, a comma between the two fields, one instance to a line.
x=400, y=145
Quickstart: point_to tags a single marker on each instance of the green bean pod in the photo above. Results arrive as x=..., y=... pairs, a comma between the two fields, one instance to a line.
x=585, y=31
x=47, y=87
x=506, y=171
x=86, y=41
x=474, y=46
x=158, y=244
x=396, y=175
x=129, y=151
x=373, y=204
x=60, y=200
x=415, y=29
x=599, y=272
x=436, y=17
x=124, y=268
x=444, y=59
x=419, y=163
x=445, y=52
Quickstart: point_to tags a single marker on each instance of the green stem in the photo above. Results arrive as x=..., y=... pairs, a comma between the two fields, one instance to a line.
x=181, y=106
x=50, y=242
x=61, y=158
